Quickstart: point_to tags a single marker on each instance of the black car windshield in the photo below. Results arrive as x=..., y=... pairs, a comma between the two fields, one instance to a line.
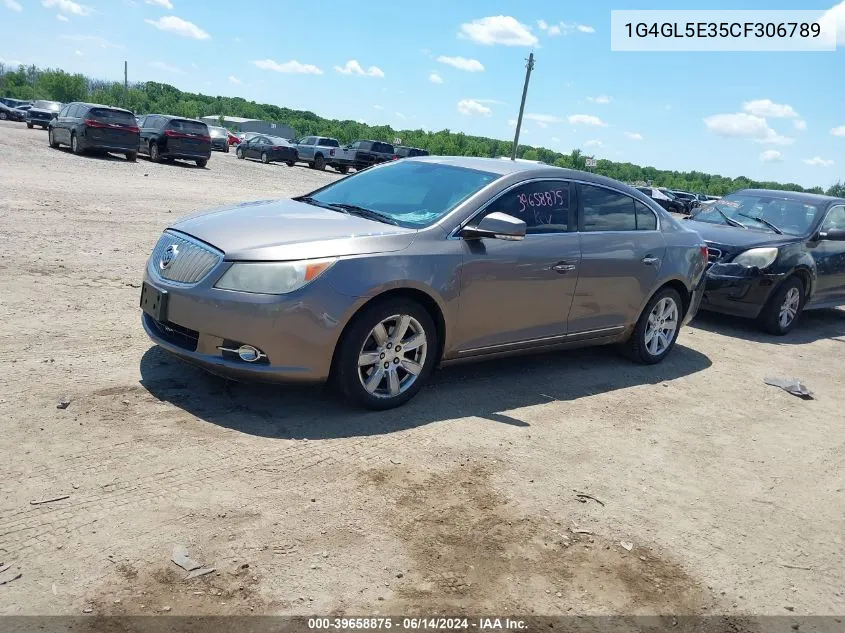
x=217, y=132
x=414, y=194
x=53, y=106
x=788, y=215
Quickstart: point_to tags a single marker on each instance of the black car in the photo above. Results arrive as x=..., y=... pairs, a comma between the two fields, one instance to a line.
x=92, y=127
x=41, y=113
x=664, y=199
x=269, y=149
x=13, y=103
x=773, y=254
x=405, y=152
x=689, y=200
x=166, y=137
x=11, y=114
x=219, y=138
x=363, y=154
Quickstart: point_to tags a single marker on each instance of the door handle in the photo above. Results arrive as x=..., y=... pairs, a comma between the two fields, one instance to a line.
x=648, y=260
x=563, y=267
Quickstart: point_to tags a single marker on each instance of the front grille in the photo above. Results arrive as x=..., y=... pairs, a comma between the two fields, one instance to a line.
x=191, y=262
x=175, y=334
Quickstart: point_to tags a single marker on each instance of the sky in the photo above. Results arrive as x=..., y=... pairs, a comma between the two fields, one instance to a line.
x=460, y=65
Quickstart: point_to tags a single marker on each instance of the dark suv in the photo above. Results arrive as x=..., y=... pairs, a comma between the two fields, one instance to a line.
x=365, y=154
x=165, y=137
x=88, y=126
x=409, y=152
x=41, y=113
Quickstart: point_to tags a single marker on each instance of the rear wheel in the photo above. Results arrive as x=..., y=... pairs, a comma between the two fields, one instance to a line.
x=657, y=328
x=131, y=156
x=781, y=312
x=202, y=162
x=290, y=163
x=386, y=354
x=75, y=145
x=264, y=158
x=155, y=155
x=3, y=116
x=319, y=163
x=50, y=140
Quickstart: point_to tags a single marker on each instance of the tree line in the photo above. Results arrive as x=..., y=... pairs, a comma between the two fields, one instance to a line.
x=30, y=82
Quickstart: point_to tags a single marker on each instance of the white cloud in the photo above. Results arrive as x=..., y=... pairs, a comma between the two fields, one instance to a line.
x=601, y=99
x=462, y=63
x=768, y=108
x=67, y=6
x=378, y=107
x=542, y=25
x=512, y=122
x=61, y=18
x=400, y=115
x=555, y=139
x=586, y=119
x=235, y=80
x=167, y=4
x=167, y=68
x=592, y=143
x=499, y=29
x=584, y=28
x=11, y=62
x=12, y=5
x=835, y=18
x=178, y=26
x=352, y=67
x=800, y=124
x=553, y=31
x=493, y=101
x=542, y=119
x=634, y=136
x=293, y=67
x=78, y=53
x=771, y=156
x=92, y=39
x=564, y=28
x=472, y=107
x=818, y=161
x=838, y=131
x=435, y=78
x=748, y=126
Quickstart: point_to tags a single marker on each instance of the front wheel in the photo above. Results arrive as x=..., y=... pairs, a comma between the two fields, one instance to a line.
x=781, y=312
x=227, y=149
x=3, y=116
x=290, y=163
x=657, y=328
x=202, y=162
x=51, y=140
x=29, y=125
x=264, y=158
x=239, y=153
x=131, y=156
x=386, y=354
x=343, y=169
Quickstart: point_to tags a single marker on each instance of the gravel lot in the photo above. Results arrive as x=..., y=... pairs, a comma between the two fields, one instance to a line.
x=730, y=493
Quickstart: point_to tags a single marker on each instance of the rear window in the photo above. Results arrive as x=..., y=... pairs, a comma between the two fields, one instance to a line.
x=384, y=148
x=328, y=142
x=419, y=152
x=403, y=151
x=188, y=127
x=107, y=115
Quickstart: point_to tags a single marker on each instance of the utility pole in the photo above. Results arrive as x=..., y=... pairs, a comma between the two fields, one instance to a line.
x=528, y=68
x=125, y=83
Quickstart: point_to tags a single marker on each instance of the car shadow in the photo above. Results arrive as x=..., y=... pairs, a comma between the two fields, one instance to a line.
x=814, y=325
x=96, y=155
x=485, y=390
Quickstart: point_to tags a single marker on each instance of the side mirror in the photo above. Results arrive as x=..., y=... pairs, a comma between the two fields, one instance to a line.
x=834, y=235
x=500, y=226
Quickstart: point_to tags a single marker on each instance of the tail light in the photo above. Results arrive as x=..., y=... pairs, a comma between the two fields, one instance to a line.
x=704, y=254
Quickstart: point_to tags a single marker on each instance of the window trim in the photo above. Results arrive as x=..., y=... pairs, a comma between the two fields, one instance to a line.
x=453, y=235
x=581, y=214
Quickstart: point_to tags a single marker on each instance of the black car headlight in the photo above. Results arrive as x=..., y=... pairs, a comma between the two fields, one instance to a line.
x=757, y=257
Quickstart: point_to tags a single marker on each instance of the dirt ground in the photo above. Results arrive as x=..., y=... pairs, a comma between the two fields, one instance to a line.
x=719, y=494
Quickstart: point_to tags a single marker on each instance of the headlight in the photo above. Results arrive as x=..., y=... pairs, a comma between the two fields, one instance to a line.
x=272, y=278
x=757, y=257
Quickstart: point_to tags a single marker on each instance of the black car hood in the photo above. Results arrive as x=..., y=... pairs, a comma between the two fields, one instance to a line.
x=734, y=237
x=49, y=113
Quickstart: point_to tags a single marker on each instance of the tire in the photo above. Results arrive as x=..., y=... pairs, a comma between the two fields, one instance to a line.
x=51, y=141
x=3, y=116
x=290, y=163
x=239, y=153
x=319, y=163
x=783, y=309
x=29, y=125
x=202, y=162
x=359, y=336
x=131, y=156
x=649, y=344
x=155, y=154
x=227, y=149
x=343, y=169
x=75, y=145
x=264, y=158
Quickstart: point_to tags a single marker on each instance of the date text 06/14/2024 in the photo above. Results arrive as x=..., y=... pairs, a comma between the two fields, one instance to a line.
x=416, y=624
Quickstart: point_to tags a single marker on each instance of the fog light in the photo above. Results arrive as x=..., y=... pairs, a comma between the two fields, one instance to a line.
x=249, y=353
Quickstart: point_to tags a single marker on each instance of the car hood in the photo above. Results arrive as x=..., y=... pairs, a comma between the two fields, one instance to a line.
x=277, y=230
x=42, y=111
x=734, y=237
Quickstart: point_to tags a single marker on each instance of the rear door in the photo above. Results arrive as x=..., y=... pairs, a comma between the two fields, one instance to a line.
x=830, y=259
x=115, y=128
x=621, y=253
x=60, y=127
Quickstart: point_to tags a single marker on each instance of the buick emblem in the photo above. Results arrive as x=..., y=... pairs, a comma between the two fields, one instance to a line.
x=169, y=255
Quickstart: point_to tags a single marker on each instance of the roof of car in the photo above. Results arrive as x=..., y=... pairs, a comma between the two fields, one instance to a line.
x=505, y=167
x=99, y=105
x=797, y=196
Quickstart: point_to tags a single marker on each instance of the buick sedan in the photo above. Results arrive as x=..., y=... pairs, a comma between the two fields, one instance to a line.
x=376, y=279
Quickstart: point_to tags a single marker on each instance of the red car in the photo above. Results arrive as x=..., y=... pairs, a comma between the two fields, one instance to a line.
x=233, y=140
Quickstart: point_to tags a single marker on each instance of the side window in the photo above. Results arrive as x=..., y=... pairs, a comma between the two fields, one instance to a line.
x=544, y=206
x=308, y=140
x=141, y=120
x=835, y=219
x=355, y=145
x=64, y=111
x=646, y=220
x=606, y=210
x=161, y=122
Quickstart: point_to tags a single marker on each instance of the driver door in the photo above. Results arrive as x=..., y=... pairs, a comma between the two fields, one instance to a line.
x=830, y=259
x=518, y=294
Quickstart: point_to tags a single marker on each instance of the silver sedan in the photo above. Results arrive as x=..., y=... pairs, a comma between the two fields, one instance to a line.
x=378, y=278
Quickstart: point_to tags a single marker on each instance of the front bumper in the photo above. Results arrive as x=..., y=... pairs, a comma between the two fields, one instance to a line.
x=738, y=290
x=297, y=333
x=219, y=146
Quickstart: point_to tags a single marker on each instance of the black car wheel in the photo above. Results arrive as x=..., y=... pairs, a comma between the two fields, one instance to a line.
x=239, y=153
x=319, y=163
x=3, y=116
x=657, y=328
x=29, y=125
x=264, y=158
x=131, y=156
x=781, y=312
x=155, y=155
x=50, y=140
x=386, y=354
x=343, y=169
x=226, y=148
x=75, y=145
x=290, y=163
x=202, y=162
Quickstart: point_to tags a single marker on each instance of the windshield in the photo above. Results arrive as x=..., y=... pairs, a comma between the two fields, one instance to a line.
x=761, y=213
x=53, y=106
x=217, y=132
x=413, y=194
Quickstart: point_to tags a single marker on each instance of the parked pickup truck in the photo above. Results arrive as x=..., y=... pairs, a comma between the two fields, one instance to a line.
x=363, y=154
x=319, y=151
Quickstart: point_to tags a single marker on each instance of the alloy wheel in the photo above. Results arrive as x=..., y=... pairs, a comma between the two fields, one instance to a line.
x=661, y=327
x=789, y=307
x=392, y=356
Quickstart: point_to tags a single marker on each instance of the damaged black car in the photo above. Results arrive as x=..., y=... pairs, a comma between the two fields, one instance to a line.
x=772, y=255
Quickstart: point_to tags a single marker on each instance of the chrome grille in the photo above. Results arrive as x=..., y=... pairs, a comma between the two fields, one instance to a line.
x=193, y=261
